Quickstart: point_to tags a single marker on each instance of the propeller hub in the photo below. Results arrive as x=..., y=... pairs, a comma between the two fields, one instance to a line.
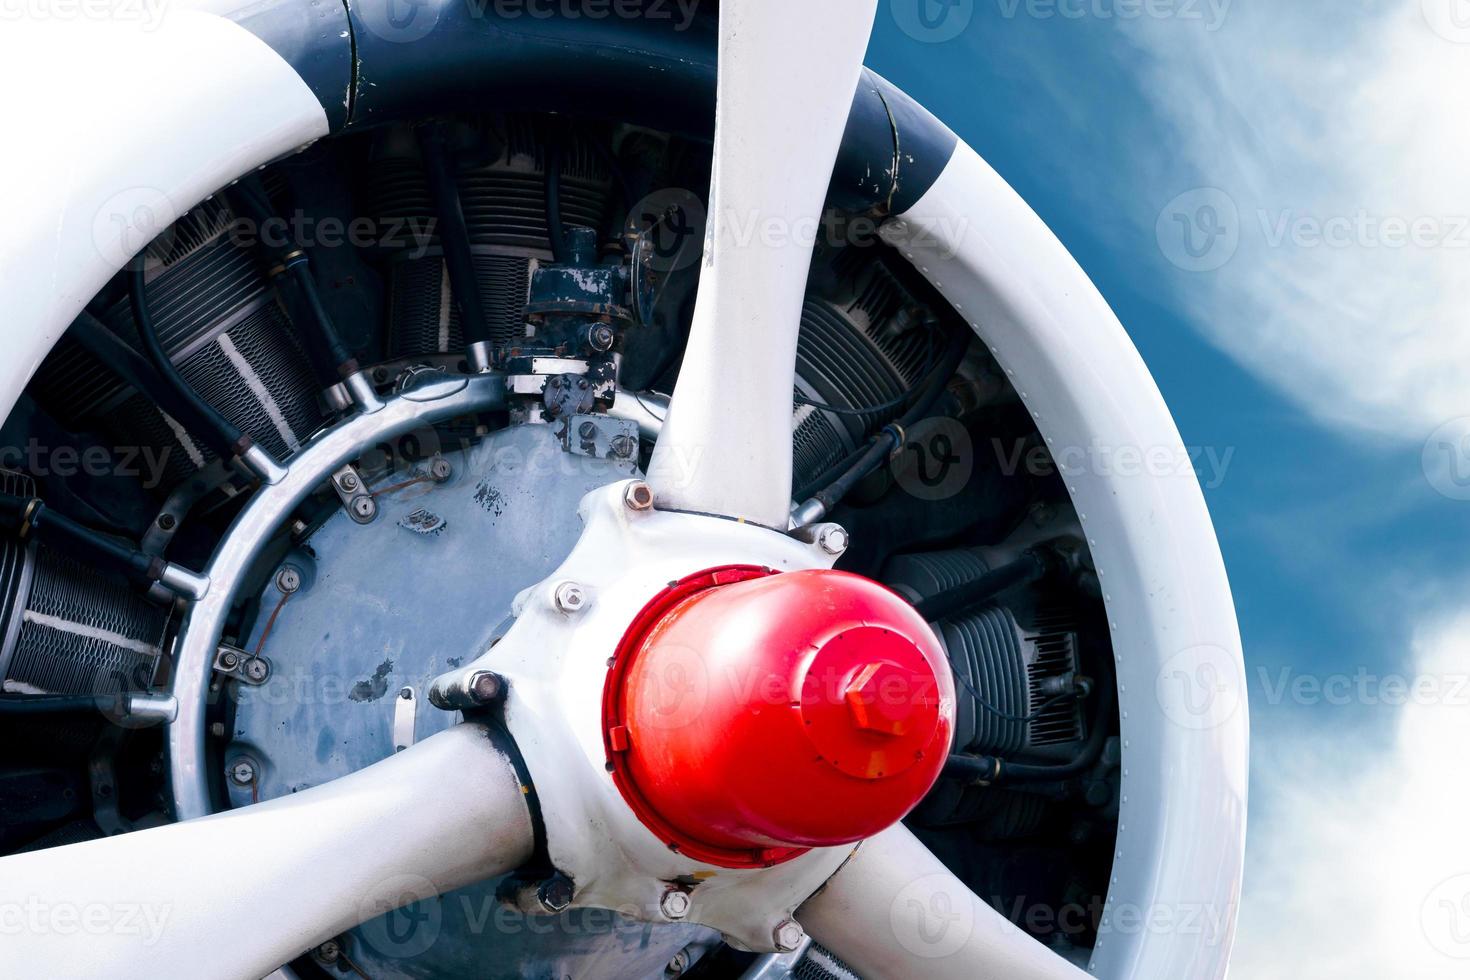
x=750, y=715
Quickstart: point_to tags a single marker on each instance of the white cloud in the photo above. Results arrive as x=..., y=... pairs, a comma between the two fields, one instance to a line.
x=1334, y=129
x=1360, y=854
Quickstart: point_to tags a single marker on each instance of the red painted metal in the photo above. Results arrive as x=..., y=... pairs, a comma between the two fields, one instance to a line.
x=751, y=715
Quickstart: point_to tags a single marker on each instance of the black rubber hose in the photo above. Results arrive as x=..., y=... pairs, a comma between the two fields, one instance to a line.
x=133, y=368
x=30, y=518
x=555, y=232
x=325, y=344
x=454, y=235
x=222, y=435
x=1030, y=567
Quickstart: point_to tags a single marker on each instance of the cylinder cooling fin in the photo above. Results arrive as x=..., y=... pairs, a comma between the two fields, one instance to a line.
x=221, y=325
x=501, y=177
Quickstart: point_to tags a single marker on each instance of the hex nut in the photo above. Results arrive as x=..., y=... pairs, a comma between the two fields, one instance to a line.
x=570, y=598
x=555, y=894
x=787, y=936
x=638, y=496
x=833, y=539
x=674, y=904
x=242, y=773
x=440, y=470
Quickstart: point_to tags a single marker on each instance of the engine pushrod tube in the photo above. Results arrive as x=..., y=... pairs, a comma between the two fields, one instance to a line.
x=199, y=635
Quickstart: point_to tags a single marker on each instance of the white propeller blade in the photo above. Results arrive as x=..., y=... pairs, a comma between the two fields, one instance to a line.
x=238, y=894
x=787, y=74
x=894, y=911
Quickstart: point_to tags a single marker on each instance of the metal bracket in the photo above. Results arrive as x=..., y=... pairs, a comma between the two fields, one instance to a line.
x=352, y=491
x=231, y=661
x=601, y=437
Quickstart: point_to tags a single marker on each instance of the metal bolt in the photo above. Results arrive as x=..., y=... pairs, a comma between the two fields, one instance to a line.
x=167, y=522
x=288, y=579
x=833, y=539
x=364, y=508
x=569, y=597
x=623, y=446
x=638, y=496
x=242, y=773
x=228, y=660
x=257, y=670
x=329, y=951
x=678, y=964
x=348, y=482
x=787, y=936
x=674, y=904
x=439, y=469
x=587, y=430
x=555, y=894
x=601, y=337
x=485, y=686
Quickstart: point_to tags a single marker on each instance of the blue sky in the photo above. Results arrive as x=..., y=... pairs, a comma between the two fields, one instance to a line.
x=1312, y=331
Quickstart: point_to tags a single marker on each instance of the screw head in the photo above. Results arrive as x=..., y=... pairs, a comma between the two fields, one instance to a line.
x=257, y=670
x=833, y=539
x=587, y=430
x=570, y=598
x=228, y=659
x=439, y=469
x=364, y=508
x=329, y=951
x=674, y=904
x=638, y=496
x=167, y=522
x=623, y=446
x=242, y=773
x=555, y=894
x=348, y=482
x=288, y=579
x=787, y=936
